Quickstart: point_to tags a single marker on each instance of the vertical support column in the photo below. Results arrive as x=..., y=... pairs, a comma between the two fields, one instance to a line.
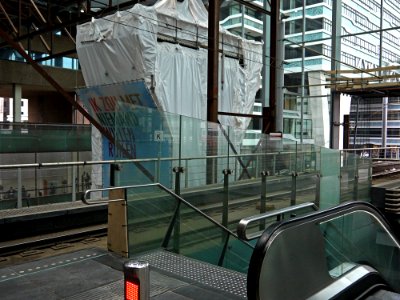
x=225, y=203
x=335, y=128
x=17, y=99
x=346, y=131
x=335, y=65
x=74, y=182
x=280, y=45
x=269, y=113
x=266, y=53
x=213, y=56
x=385, y=103
x=177, y=171
x=263, y=199
x=177, y=227
x=356, y=178
x=303, y=80
x=115, y=174
x=294, y=189
x=318, y=190
x=212, y=87
x=19, y=188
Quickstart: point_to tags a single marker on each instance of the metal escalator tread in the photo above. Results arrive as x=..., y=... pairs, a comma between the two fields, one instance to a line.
x=383, y=295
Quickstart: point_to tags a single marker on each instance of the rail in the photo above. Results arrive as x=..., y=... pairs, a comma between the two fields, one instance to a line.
x=184, y=226
x=86, y=200
x=317, y=250
x=279, y=214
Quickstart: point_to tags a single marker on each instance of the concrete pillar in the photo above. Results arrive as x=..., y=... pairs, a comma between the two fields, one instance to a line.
x=17, y=99
x=335, y=65
x=319, y=108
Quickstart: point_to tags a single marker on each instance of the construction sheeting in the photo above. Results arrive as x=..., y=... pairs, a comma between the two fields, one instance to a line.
x=126, y=46
x=165, y=45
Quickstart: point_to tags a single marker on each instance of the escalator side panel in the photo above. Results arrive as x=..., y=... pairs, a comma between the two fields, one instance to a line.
x=293, y=267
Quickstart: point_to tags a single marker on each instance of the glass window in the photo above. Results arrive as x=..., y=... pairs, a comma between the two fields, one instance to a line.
x=314, y=24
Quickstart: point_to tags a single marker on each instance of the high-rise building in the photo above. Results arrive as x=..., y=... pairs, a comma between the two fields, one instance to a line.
x=369, y=39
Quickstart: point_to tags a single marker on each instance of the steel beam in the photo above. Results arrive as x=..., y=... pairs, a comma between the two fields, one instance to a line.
x=269, y=113
x=71, y=99
x=212, y=62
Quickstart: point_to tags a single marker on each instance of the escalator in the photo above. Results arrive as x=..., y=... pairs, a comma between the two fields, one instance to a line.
x=347, y=252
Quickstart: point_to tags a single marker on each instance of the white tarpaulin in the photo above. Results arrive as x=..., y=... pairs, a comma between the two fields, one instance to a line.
x=166, y=46
x=124, y=47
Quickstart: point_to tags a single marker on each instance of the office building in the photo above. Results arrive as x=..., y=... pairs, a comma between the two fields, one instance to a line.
x=307, y=101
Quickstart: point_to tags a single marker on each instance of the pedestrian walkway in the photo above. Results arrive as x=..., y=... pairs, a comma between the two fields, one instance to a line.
x=95, y=273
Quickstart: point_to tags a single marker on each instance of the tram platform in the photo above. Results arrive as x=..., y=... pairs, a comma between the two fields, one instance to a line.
x=43, y=219
x=96, y=273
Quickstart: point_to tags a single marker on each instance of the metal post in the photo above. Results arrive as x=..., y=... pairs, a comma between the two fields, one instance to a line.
x=263, y=198
x=177, y=227
x=318, y=190
x=294, y=189
x=74, y=183
x=177, y=171
x=274, y=164
x=19, y=188
x=137, y=280
x=213, y=57
x=225, y=203
x=186, y=175
x=264, y=175
x=356, y=178
x=114, y=174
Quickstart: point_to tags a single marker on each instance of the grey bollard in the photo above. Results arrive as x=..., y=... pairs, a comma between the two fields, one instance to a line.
x=137, y=280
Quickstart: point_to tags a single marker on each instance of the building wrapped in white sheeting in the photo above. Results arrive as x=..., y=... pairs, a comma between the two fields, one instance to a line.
x=166, y=46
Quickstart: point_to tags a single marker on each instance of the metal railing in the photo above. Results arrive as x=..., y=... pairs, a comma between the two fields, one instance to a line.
x=278, y=215
x=295, y=172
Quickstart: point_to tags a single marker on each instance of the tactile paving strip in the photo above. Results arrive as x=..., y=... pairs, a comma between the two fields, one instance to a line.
x=204, y=273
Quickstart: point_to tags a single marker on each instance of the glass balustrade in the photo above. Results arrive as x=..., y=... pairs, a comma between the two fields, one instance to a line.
x=207, y=163
x=160, y=220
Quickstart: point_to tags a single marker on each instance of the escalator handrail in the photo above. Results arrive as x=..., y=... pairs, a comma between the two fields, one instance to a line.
x=244, y=223
x=266, y=239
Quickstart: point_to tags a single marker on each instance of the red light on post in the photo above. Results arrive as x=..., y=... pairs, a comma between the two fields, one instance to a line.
x=131, y=290
x=137, y=280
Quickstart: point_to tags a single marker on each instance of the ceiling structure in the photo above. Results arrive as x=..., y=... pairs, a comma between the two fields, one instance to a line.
x=38, y=24
x=366, y=83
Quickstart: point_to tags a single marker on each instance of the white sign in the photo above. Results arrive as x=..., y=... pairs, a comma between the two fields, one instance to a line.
x=158, y=135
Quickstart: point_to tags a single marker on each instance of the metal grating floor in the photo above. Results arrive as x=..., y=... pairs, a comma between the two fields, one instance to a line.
x=216, y=277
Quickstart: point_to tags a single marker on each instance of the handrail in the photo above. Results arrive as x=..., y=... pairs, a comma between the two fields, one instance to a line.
x=85, y=200
x=244, y=223
x=138, y=160
x=276, y=230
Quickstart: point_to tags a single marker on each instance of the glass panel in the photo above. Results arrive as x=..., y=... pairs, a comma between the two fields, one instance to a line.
x=17, y=138
x=359, y=237
x=311, y=253
x=330, y=178
x=152, y=212
x=364, y=178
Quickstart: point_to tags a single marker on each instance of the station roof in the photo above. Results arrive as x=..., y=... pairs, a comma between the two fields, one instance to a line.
x=366, y=83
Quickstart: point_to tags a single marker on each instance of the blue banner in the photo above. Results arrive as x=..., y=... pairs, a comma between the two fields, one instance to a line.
x=128, y=112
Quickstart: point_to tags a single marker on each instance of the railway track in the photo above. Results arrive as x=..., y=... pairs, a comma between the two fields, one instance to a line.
x=56, y=239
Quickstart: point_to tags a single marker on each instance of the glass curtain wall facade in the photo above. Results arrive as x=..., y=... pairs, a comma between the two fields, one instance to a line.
x=368, y=39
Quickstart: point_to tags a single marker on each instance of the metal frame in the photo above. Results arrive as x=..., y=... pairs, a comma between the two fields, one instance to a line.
x=244, y=223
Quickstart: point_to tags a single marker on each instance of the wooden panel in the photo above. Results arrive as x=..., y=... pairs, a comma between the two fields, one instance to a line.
x=117, y=238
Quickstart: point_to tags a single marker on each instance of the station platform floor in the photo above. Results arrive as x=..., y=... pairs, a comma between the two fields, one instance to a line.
x=95, y=273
